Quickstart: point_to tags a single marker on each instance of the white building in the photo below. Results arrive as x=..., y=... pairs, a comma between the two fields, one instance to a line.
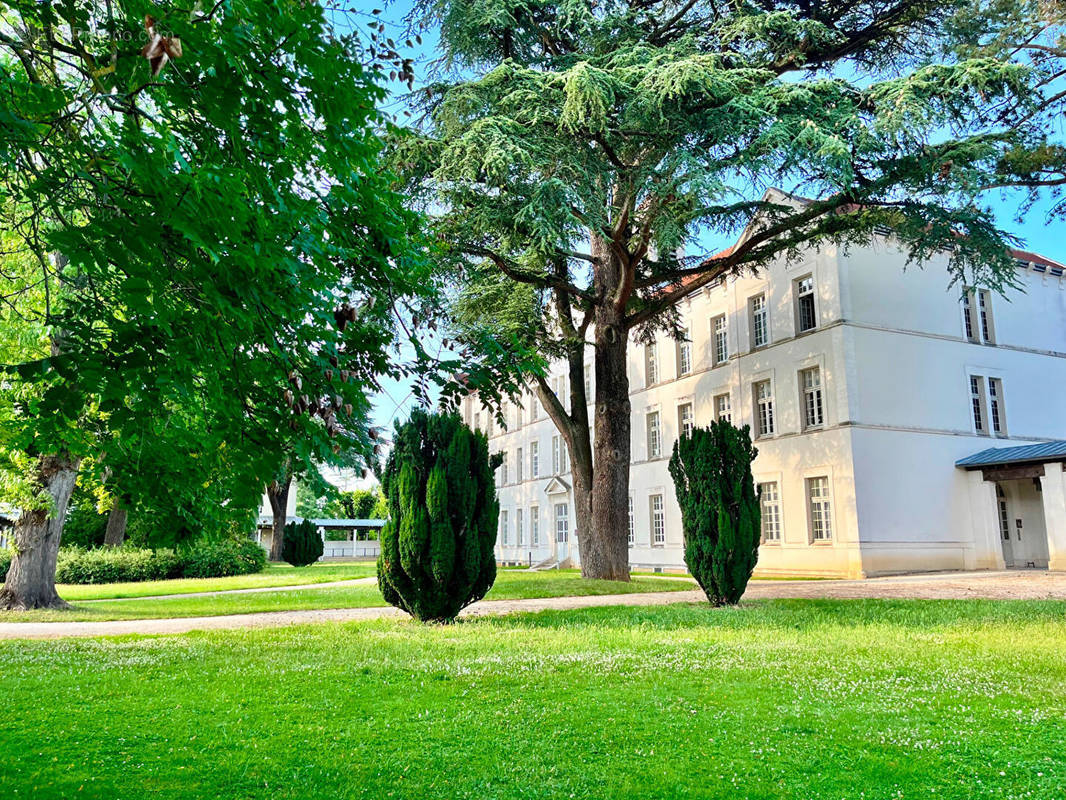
x=864, y=384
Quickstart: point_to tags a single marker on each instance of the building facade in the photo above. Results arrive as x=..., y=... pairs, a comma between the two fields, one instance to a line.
x=863, y=383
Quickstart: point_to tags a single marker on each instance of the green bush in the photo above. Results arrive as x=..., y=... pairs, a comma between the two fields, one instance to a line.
x=5, y=561
x=131, y=564
x=223, y=558
x=116, y=565
x=302, y=544
x=437, y=546
x=720, y=513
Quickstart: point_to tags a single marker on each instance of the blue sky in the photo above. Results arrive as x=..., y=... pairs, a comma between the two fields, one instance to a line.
x=1036, y=231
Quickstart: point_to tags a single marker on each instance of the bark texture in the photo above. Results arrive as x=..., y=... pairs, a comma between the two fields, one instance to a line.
x=115, y=534
x=278, y=494
x=31, y=579
x=605, y=550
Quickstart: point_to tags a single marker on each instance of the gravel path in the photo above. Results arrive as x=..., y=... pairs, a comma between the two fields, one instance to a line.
x=1012, y=585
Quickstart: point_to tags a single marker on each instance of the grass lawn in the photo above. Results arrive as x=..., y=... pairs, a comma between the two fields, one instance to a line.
x=510, y=584
x=778, y=699
x=273, y=575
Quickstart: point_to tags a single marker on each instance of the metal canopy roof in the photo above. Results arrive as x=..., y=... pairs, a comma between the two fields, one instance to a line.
x=330, y=523
x=1049, y=451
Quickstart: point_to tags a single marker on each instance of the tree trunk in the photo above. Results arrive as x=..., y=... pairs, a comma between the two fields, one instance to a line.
x=115, y=534
x=31, y=579
x=605, y=551
x=278, y=494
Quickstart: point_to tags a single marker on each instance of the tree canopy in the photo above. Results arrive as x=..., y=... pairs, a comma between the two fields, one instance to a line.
x=580, y=150
x=210, y=259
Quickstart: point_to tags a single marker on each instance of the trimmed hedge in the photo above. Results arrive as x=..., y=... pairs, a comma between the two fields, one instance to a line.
x=221, y=559
x=116, y=565
x=128, y=564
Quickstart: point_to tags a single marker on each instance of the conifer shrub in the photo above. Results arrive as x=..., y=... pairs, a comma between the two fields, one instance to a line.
x=302, y=544
x=720, y=512
x=437, y=545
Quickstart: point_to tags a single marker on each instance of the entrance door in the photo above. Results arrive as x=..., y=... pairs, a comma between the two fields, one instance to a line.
x=1003, y=509
x=1021, y=524
x=562, y=531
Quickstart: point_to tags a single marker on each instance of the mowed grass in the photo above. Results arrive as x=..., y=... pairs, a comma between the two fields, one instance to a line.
x=273, y=575
x=777, y=699
x=510, y=585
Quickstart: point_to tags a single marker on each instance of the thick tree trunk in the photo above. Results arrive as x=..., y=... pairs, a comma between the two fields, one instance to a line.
x=605, y=551
x=278, y=494
x=31, y=579
x=115, y=534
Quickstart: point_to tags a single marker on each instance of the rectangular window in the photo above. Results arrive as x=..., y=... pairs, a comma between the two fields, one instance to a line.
x=811, y=389
x=632, y=530
x=764, y=409
x=655, y=444
x=684, y=354
x=651, y=365
x=562, y=523
x=723, y=408
x=534, y=459
x=503, y=471
x=806, y=319
x=519, y=413
x=558, y=454
x=995, y=407
x=977, y=316
x=560, y=392
x=770, y=501
x=685, y=420
x=534, y=406
x=658, y=520
x=588, y=383
x=505, y=533
x=477, y=420
x=534, y=526
x=760, y=321
x=519, y=464
x=977, y=403
x=818, y=509
x=719, y=340
x=518, y=532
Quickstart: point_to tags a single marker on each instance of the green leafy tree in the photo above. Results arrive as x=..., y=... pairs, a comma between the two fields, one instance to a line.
x=201, y=223
x=720, y=512
x=574, y=150
x=437, y=546
x=356, y=504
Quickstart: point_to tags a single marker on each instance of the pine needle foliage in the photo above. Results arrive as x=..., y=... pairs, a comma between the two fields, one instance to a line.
x=437, y=546
x=302, y=544
x=720, y=512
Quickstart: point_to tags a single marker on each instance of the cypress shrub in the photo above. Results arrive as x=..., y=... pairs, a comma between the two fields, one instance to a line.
x=720, y=511
x=437, y=545
x=302, y=544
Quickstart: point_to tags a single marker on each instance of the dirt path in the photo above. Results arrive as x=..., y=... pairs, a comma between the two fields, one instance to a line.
x=943, y=586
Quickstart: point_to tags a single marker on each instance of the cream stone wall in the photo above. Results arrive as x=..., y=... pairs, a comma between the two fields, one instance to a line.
x=894, y=362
